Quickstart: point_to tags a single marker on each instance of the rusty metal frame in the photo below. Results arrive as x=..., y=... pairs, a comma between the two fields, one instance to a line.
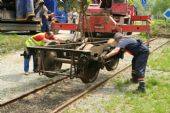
x=71, y=56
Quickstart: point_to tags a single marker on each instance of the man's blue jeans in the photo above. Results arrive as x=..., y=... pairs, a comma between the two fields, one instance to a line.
x=27, y=58
x=26, y=63
x=24, y=8
x=45, y=25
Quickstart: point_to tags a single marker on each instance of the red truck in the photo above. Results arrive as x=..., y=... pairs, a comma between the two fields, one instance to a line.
x=109, y=16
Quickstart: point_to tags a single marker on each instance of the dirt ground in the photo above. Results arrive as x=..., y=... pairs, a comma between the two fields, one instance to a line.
x=13, y=82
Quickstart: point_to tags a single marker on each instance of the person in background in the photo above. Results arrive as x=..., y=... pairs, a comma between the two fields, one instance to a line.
x=74, y=17
x=39, y=39
x=24, y=9
x=45, y=18
x=140, y=54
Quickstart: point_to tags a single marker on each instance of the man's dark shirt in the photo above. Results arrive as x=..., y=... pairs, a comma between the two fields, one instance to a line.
x=132, y=45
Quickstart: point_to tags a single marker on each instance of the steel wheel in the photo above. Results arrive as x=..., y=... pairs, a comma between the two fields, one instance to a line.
x=90, y=72
x=49, y=61
x=112, y=63
x=50, y=64
x=89, y=69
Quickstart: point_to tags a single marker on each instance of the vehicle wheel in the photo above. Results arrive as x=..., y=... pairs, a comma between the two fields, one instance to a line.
x=90, y=72
x=50, y=64
x=89, y=69
x=112, y=63
x=49, y=61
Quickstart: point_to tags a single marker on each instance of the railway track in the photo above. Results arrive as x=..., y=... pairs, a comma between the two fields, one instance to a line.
x=33, y=91
x=92, y=88
x=73, y=99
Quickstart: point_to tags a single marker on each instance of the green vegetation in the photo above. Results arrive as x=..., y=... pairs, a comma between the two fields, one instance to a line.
x=143, y=36
x=156, y=100
x=74, y=4
x=161, y=61
x=141, y=10
x=11, y=42
x=156, y=8
x=159, y=7
x=159, y=26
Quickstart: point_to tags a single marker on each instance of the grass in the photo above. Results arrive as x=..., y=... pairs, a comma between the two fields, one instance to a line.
x=161, y=61
x=10, y=43
x=156, y=100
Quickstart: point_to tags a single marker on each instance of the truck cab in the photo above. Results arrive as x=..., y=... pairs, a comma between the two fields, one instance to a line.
x=8, y=21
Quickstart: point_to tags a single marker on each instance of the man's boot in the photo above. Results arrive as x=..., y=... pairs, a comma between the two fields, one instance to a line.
x=141, y=87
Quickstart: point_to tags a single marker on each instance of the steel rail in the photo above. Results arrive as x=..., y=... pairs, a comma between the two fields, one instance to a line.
x=31, y=92
x=91, y=88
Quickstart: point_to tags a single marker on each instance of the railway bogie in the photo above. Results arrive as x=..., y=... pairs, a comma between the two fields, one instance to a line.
x=85, y=63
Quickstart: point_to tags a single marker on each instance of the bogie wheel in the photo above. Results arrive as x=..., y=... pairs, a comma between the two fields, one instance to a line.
x=49, y=61
x=112, y=63
x=89, y=69
x=90, y=72
x=50, y=64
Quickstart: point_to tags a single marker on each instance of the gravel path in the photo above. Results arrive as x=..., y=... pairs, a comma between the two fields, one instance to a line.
x=13, y=82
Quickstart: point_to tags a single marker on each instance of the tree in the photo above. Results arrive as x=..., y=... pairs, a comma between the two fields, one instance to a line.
x=160, y=7
x=141, y=10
